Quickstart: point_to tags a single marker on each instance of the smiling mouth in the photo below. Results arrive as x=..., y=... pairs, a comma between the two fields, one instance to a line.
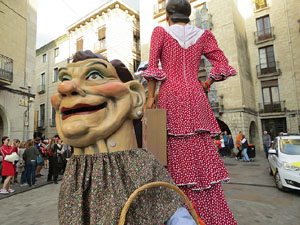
x=81, y=109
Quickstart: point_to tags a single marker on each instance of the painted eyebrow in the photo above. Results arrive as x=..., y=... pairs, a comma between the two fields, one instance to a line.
x=97, y=62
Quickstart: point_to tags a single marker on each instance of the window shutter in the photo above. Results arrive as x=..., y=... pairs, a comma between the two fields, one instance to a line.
x=79, y=44
x=269, y=83
x=101, y=33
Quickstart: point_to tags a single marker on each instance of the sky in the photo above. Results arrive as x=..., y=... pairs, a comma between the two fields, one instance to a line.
x=54, y=16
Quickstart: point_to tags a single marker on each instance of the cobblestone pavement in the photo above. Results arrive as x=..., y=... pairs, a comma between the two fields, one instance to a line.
x=251, y=195
x=254, y=198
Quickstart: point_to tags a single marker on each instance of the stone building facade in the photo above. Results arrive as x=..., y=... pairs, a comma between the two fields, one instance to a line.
x=111, y=30
x=17, y=65
x=262, y=46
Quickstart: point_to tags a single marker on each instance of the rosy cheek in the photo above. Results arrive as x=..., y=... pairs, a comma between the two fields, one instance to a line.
x=115, y=89
x=55, y=100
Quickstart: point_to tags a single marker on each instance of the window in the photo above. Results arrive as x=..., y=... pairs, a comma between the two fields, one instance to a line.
x=55, y=74
x=52, y=120
x=53, y=114
x=42, y=115
x=56, y=52
x=41, y=87
x=101, y=37
x=43, y=79
x=271, y=97
x=136, y=41
x=260, y=4
x=263, y=28
x=267, y=60
x=44, y=58
x=161, y=5
x=79, y=44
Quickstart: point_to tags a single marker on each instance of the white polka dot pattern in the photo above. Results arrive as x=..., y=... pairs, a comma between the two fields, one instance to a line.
x=193, y=160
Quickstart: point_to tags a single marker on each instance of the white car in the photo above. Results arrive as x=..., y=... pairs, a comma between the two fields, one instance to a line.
x=284, y=161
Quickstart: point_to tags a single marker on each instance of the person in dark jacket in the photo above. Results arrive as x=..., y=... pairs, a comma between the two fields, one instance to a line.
x=230, y=145
x=53, y=161
x=29, y=157
x=245, y=148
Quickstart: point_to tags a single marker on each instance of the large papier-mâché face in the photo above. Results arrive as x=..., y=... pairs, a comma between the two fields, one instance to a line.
x=92, y=103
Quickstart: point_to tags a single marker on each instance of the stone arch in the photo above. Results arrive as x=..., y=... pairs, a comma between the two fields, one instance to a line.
x=253, y=134
x=4, y=123
x=223, y=126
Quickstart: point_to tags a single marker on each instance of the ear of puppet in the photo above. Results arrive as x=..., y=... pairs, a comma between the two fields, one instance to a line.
x=138, y=97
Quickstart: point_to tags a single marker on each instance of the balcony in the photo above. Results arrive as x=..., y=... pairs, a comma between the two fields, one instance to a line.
x=268, y=70
x=264, y=35
x=6, y=70
x=272, y=107
x=41, y=124
x=52, y=122
x=41, y=89
x=100, y=46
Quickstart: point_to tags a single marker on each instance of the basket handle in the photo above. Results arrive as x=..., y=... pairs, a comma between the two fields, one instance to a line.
x=157, y=184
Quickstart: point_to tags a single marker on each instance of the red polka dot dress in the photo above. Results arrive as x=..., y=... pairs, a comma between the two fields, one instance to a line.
x=193, y=161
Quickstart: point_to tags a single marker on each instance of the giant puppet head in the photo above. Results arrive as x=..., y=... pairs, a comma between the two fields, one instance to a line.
x=95, y=99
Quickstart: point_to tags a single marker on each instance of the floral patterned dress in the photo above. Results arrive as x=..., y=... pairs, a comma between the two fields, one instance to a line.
x=96, y=187
x=193, y=161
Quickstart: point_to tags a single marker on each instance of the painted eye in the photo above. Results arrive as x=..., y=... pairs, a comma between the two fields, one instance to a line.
x=94, y=75
x=66, y=77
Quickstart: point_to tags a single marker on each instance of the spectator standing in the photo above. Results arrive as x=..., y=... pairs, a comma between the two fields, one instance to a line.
x=21, y=164
x=267, y=142
x=230, y=145
x=239, y=145
x=46, y=159
x=60, y=157
x=225, y=136
x=53, y=162
x=245, y=149
x=222, y=149
x=15, y=145
x=8, y=169
x=29, y=157
x=39, y=147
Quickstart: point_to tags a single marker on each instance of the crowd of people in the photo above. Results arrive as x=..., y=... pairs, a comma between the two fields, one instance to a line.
x=225, y=145
x=22, y=162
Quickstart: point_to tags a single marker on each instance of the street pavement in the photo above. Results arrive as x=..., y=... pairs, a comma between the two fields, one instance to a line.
x=251, y=194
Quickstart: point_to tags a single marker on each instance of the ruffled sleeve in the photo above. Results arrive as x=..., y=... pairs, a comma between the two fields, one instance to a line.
x=221, y=69
x=157, y=42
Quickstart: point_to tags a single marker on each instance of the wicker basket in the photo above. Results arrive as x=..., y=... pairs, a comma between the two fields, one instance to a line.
x=157, y=184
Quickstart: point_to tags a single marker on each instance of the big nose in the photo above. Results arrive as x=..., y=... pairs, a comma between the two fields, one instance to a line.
x=68, y=88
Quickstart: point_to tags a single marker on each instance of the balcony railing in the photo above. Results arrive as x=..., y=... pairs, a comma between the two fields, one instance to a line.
x=100, y=46
x=264, y=35
x=41, y=88
x=41, y=124
x=272, y=68
x=52, y=122
x=272, y=107
x=6, y=69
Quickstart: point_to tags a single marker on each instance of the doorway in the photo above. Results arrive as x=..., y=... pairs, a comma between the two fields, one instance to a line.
x=274, y=126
